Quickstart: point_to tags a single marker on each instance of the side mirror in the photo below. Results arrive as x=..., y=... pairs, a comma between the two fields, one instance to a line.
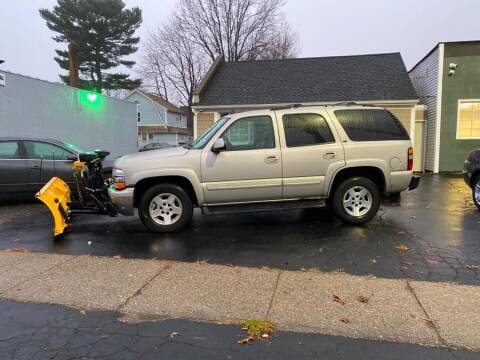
x=219, y=145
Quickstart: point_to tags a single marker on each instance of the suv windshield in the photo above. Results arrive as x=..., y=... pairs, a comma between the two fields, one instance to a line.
x=203, y=139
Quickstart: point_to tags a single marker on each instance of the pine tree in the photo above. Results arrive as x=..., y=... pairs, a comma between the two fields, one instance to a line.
x=102, y=33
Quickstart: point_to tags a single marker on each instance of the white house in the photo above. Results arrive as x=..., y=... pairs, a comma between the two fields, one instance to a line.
x=158, y=120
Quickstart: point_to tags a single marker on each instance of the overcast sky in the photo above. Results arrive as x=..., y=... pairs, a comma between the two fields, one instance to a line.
x=324, y=28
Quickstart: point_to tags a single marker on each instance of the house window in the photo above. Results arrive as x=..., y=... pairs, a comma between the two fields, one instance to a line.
x=468, y=122
x=139, y=116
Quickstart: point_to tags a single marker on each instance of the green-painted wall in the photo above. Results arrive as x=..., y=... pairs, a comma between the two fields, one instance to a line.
x=464, y=84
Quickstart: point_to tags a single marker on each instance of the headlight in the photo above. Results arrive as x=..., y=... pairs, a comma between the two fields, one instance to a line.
x=119, y=179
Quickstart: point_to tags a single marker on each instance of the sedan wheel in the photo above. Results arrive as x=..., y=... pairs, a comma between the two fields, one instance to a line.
x=476, y=192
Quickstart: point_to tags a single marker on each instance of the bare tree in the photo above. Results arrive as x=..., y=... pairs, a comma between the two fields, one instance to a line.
x=177, y=55
x=172, y=65
x=236, y=29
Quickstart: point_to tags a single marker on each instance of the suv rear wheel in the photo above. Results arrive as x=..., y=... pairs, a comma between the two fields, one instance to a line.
x=165, y=208
x=476, y=191
x=356, y=200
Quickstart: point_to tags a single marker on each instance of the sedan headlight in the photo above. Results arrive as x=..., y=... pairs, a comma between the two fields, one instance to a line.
x=119, y=179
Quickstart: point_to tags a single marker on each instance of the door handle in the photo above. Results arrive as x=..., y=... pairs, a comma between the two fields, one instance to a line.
x=271, y=159
x=35, y=167
x=330, y=155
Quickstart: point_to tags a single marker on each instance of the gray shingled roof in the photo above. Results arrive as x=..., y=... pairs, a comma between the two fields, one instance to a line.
x=324, y=79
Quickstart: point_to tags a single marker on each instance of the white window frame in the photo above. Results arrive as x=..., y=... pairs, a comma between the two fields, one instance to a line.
x=463, y=101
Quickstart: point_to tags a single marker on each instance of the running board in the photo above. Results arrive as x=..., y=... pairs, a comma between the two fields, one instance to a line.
x=266, y=206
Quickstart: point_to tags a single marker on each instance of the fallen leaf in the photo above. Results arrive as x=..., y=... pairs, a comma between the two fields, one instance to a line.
x=402, y=247
x=345, y=320
x=229, y=264
x=245, y=340
x=338, y=299
x=362, y=299
x=173, y=334
x=303, y=269
x=117, y=257
x=339, y=270
x=83, y=312
x=401, y=232
x=266, y=268
x=16, y=250
x=202, y=262
x=473, y=267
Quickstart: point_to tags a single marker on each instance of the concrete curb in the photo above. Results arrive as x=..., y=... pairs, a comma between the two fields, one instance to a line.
x=435, y=314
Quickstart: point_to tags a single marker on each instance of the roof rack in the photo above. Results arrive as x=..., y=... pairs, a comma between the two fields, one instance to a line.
x=293, y=106
x=290, y=106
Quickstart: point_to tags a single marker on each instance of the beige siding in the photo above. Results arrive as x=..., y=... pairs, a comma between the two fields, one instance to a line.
x=404, y=115
x=425, y=81
x=204, y=120
x=420, y=114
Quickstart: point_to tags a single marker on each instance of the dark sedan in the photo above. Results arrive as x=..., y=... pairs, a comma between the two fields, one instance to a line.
x=472, y=174
x=26, y=164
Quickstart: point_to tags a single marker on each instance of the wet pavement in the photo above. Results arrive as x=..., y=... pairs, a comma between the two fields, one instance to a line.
x=433, y=235
x=42, y=331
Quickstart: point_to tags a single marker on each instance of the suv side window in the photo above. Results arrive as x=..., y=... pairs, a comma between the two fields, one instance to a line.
x=9, y=150
x=306, y=130
x=250, y=133
x=45, y=151
x=371, y=125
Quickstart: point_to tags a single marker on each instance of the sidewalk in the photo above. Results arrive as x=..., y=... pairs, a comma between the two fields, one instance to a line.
x=438, y=314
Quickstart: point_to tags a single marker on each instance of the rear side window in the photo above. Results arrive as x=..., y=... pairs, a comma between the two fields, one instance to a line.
x=371, y=125
x=9, y=150
x=306, y=130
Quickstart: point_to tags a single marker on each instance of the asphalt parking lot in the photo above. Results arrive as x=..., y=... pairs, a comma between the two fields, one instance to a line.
x=432, y=234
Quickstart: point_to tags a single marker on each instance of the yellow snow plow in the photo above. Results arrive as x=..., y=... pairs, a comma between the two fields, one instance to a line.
x=91, y=192
x=56, y=195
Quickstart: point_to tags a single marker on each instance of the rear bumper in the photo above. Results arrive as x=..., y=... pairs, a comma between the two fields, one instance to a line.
x=123, y=199
x=414, y=182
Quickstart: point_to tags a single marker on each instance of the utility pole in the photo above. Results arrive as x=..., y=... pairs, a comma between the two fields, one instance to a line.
x=73, y=64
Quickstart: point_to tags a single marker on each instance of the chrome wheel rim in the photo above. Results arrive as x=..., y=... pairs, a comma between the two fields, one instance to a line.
x=476, y=192
x=357, y=201
x=165, y=209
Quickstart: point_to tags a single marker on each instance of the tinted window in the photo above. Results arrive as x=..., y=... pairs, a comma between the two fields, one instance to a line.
x=306, y=129
x=371, y=125
x=9, y=150
x=250, y=133
x=45, y=151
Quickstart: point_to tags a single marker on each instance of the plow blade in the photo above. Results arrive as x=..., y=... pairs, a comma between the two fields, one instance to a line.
x=56, y=195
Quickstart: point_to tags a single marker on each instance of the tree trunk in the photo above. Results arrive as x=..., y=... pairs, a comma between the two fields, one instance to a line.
x=73, y=64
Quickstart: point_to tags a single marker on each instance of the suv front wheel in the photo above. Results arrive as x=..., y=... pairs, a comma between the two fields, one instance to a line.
x=356, y=200
x=165, y=208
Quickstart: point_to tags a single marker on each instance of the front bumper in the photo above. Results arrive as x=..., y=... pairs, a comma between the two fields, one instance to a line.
x=414, y=182
x=123, y=199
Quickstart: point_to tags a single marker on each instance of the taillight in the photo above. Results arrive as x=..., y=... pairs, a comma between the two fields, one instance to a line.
x=410, y=159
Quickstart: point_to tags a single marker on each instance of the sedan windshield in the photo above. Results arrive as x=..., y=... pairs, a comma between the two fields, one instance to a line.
x=203, y=139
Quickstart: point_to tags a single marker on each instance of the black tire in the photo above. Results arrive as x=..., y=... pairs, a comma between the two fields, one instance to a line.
x=340, y=193
x=181, y=222
x=476, y=198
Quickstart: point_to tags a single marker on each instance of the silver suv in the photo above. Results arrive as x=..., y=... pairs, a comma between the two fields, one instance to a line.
x=283, y=158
